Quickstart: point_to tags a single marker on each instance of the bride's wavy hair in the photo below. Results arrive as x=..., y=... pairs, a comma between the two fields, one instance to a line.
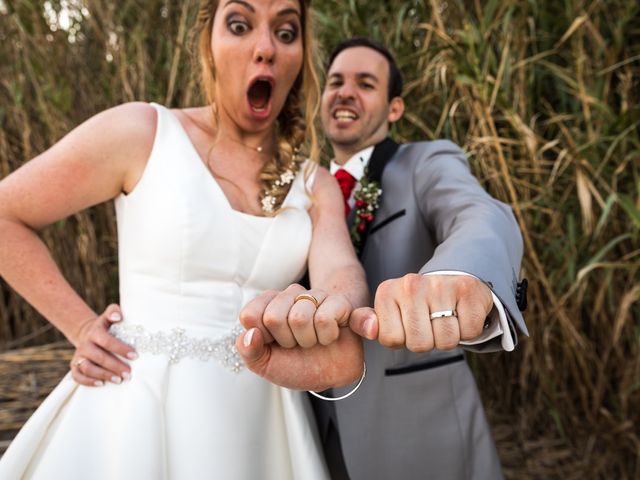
x=296, y=131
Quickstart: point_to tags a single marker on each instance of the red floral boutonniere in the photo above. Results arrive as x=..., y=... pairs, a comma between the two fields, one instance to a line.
x=366, y=198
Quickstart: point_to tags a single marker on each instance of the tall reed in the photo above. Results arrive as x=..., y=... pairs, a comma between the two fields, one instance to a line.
x=544, y=98
x=543, y=95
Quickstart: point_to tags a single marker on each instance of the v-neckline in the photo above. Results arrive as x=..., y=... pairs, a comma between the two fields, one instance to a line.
x=208, y=173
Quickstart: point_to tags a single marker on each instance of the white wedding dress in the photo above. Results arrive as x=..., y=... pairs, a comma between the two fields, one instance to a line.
x=188, y=263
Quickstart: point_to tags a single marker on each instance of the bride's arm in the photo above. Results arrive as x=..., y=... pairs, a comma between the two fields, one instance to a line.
x=90, y=165
x=333, y=265
x=313, y=349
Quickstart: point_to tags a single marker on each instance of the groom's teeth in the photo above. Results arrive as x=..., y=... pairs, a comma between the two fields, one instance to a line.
x=344, y=115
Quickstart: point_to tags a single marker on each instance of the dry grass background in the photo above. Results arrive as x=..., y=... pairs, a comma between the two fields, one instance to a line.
x=544, y=95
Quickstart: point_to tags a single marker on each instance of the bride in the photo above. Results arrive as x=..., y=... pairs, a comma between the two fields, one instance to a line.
x=214, y=205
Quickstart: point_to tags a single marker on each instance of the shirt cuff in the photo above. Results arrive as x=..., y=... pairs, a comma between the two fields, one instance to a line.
x=498, y=323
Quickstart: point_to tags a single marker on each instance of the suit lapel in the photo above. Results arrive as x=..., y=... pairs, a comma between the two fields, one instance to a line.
x=382, y=153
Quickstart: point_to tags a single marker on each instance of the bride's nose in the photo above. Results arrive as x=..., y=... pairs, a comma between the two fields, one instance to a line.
x=264, y=50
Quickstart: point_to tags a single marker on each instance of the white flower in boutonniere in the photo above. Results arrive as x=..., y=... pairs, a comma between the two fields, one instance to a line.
x=366, y=198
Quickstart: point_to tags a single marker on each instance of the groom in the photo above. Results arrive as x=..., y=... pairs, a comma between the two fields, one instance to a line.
x=418, y=414
x=442, y=257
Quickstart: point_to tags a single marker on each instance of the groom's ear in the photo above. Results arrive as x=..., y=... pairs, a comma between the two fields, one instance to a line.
x=396, y=109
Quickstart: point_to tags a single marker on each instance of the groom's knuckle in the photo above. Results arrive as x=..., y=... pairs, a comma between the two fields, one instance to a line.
x=446, y=341
x=391, y=340
x=471, y=325
x=385, y=288
x=419, y=345
x=466, y=286
x=412, y=283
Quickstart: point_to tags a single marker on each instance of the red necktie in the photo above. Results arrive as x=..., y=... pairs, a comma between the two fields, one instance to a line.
x=346, y=182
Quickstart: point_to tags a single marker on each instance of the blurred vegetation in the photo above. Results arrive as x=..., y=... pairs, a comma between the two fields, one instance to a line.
x=544, y=96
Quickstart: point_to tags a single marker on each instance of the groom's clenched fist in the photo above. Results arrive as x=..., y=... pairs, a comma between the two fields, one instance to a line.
x=423, y=312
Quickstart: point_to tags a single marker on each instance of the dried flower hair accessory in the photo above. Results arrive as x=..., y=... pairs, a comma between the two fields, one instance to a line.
x=269, y=200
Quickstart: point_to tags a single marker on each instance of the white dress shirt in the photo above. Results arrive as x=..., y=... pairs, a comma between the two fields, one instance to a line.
x=498, y=324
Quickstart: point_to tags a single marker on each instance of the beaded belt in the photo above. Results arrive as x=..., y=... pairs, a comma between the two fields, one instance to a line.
x=176, y=345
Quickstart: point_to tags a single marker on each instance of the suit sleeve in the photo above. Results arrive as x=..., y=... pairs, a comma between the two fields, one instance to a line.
x=475, y=233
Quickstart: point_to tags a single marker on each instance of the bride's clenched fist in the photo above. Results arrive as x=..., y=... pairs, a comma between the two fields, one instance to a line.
x=297, y=317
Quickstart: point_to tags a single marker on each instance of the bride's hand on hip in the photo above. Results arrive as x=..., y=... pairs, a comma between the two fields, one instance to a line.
x=95, y=360
x=297, y=317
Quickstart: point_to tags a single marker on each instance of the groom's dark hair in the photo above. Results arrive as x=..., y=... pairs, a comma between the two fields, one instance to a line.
x=395, y=77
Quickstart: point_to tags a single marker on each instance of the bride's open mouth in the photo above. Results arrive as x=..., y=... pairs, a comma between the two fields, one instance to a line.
x=259, y=95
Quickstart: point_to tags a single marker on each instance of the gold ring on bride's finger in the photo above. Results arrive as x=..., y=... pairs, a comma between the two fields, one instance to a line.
x=79, y=362
x=307, y=296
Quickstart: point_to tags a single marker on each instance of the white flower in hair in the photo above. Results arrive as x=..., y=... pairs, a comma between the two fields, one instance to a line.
x=285, y=178
x=268, y=202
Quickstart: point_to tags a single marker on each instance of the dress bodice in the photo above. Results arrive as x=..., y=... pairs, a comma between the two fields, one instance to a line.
x=185, y=256
x=190, y=410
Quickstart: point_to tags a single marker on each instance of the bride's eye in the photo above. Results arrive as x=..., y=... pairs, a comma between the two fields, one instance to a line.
x=238, y=27
x=287, y=35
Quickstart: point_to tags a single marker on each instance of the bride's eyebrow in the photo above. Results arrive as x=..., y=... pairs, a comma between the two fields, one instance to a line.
x=289, y=11
x=247, y=5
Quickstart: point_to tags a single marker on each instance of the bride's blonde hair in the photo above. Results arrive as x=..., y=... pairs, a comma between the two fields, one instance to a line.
x=297, y=137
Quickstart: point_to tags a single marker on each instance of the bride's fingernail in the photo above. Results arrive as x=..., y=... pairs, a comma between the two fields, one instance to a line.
x=132, y=355
x=247, y=337
x=98, y=383
x=116, y=379
x=126, y=376
x=115, y=317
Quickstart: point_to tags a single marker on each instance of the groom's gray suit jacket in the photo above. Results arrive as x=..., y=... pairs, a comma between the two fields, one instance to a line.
x=419, y=416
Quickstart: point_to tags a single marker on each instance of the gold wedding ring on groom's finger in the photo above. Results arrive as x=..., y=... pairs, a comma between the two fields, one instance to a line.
x=307, y=296
x=443, y=314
